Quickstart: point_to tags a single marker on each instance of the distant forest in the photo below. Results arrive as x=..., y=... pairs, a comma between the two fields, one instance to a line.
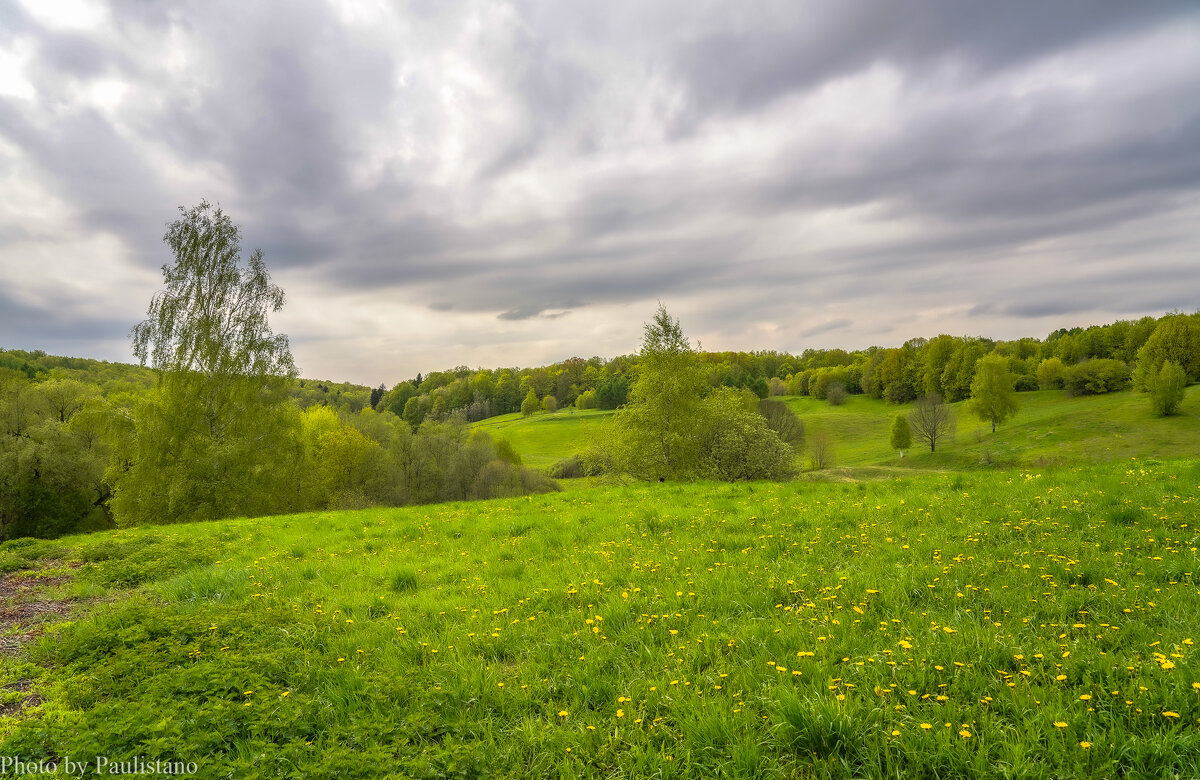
x=1083, y=361
x=77, y=442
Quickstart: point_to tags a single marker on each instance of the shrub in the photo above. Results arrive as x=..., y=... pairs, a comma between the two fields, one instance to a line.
x=1166, y=388
x=781, y=419
x=821, y=452
x=1095, y=377
x=1026, y=383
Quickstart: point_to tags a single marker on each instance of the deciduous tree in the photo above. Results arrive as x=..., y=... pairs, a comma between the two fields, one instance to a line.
x=931, y=420
x=993, y=392
x=1166, y=388
x=658, y=426
x=210, y=437
x=901, y=434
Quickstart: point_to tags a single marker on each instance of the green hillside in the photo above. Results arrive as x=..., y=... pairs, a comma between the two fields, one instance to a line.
x=1050, y=428
x=543, y=438
x=977, y=624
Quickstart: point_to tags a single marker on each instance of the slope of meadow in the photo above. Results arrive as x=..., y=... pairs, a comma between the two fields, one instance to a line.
x=994, y=623
x=1050, y=429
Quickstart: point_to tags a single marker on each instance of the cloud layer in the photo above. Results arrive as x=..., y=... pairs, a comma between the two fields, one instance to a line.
x=513, y=183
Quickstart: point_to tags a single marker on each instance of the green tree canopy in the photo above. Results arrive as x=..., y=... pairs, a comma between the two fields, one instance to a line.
x=1166, y=387
x=658, y=425
x=901, y=438
x=211, y=439
x=993, y=392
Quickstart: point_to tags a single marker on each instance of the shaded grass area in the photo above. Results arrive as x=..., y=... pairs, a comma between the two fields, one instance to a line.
x=1001, y=623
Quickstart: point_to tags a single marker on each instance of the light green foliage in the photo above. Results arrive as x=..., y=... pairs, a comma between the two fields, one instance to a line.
x=550, y=404
x=656, y=431
x=1166, y=387
x=1050, y=373
x=416, y=409
x=1176, y=338
x=901, y=437
x=993, y=397
x=530, y=404
x=65, y=397
x=505, y=451
x=735, y=443
x=586, y=400
x=212, y=439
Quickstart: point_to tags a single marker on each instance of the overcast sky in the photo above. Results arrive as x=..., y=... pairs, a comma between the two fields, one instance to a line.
x=438, y=183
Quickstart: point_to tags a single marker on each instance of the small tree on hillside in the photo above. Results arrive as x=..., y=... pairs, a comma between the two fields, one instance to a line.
x=531, y=404
x=931, y=420
x=901, y=434
x=1166, y=388
x=993, y=391
x=658, y=425
x=821, y=451
x=550, y=404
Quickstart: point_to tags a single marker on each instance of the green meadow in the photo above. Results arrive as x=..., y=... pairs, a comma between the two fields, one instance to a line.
x=1051, y=428
x=1014, y=622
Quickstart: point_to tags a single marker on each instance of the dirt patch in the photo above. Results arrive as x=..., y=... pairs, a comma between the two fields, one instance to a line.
x=23, y=614
x=14, y=708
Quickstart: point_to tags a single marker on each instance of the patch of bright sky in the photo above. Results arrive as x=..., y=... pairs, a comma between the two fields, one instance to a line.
x=67, y=14
x=12, y=71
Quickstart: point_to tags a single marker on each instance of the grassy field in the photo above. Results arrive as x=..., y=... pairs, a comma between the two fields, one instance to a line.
x=543, y=438
x=1003, y=623
x=1050, y=429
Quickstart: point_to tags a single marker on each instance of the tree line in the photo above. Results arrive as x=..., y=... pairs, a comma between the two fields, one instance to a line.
x=218, y=426
x=1081, y=361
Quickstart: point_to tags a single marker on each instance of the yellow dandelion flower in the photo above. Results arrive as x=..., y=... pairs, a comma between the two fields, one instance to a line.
x=562, y=713
x=964, y=734
x=620, y=713
x=1170, y=714
x=1060, y=724
x=927, y=726
x=1085, y=744
x=1085, y=697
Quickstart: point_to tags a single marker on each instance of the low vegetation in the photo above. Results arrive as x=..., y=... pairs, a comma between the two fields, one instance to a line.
x=1010, y=623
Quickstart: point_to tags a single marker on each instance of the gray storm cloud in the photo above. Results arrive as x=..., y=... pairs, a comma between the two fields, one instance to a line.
x=525, y=172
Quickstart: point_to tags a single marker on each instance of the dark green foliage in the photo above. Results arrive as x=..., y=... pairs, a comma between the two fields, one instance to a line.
x=1026, y=383
x=901, y=435
x=376, y=395
x=784, y=422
